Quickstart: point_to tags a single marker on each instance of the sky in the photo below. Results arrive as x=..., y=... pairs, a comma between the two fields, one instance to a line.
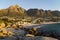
x=27, y=4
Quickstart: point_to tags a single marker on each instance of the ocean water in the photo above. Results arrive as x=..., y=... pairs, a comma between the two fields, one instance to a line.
x=55, y=26
x=52, y=30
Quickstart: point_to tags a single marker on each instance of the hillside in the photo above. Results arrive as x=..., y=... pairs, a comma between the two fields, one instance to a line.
x=18, y=12
x=43, y=13
x=12, y=11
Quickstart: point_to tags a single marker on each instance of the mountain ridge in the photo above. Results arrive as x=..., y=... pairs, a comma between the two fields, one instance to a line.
x=17, y=11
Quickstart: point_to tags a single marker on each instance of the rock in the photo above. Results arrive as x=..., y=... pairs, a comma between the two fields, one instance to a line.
x=14, y=26
x=49, y=38
x=29, y=35
x=17, y=32
x=2, y=24
x=28, y=38
x=9, y=38
x=37, y=38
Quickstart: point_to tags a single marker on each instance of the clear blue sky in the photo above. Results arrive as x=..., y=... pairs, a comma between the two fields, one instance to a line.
x=40, y=4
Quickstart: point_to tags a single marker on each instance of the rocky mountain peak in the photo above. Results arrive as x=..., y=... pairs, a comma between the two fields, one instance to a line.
x=14, y=6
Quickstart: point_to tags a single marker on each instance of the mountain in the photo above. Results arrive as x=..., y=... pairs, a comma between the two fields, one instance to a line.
x=43, y=13
x=17, y=11
x=12, y=11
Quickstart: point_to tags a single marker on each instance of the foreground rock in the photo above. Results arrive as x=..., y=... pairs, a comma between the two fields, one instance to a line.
x=29, y=38
x=29, y=35
x=8, y=38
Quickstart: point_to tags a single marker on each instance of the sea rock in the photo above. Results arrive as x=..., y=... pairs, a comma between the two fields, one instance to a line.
x=17, y=32
x=37, y=38
x=29, y=35
x=9, y=38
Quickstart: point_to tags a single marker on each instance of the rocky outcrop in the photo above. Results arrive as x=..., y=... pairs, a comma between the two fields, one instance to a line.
x=16, y=9
x=29, y=38
x=12, y=11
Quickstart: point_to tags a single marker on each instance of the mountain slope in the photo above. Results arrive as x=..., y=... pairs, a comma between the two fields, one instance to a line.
x=12, y=11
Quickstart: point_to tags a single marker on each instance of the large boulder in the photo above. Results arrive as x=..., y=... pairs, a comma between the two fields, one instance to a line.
x=37, y=38
x=17, y=32
x=9, y=38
